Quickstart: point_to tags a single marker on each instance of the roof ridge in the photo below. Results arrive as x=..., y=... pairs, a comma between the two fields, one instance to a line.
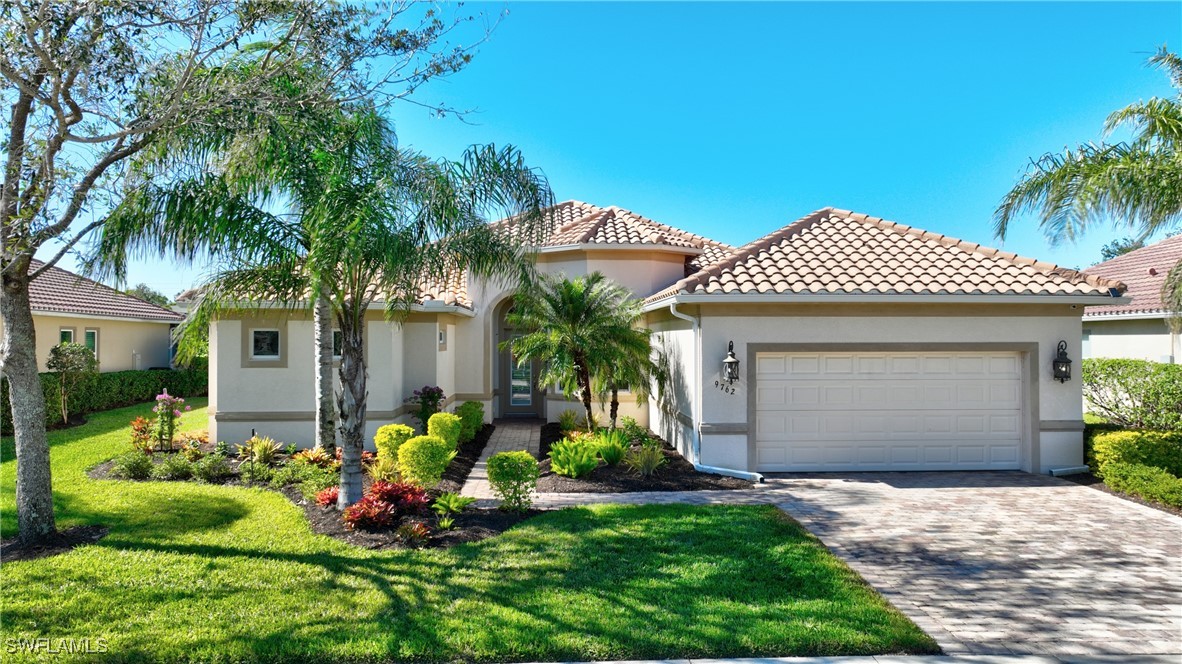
x=1147, y=249
x=35, y=263
x=603, y=214
x=1075, y=276
x=747, y=250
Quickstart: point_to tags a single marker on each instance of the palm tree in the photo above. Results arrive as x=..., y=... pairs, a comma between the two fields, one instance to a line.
x=578, y=327
x=1137, y=182
x=630, y=364
x=375, y=222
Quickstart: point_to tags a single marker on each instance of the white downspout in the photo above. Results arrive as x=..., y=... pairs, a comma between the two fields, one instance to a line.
x=696, y=407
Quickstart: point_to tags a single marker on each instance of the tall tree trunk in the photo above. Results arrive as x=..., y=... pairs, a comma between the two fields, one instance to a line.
x=18, y=363
x=325, y=410
x=584, y=379
x=351, y=404
x=615, y=409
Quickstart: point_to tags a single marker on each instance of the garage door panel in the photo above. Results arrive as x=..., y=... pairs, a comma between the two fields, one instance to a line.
x=888, y=411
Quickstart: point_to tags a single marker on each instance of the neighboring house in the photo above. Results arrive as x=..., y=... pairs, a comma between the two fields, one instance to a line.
x=1139, y=329
x=123, y=331
x=863, y=345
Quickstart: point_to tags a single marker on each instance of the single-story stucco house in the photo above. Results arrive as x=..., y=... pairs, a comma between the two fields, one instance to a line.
x=862, y=345
x=1139, y=329
x=124, y=332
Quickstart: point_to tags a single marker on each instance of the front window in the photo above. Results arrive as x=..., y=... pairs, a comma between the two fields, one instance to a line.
x=338, y=343
x=264, y=344
x=91, y=339
x=65, y=336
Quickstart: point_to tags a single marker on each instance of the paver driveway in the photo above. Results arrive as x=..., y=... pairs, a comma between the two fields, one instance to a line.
x=1004, y=562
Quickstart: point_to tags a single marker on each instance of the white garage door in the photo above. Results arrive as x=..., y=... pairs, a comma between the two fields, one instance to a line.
x=843, y=411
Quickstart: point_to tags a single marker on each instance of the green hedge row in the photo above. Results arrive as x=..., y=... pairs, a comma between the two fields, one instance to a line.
x=112, y=390
x=1146, y=464
x=1147, y=482
x=1134, y=393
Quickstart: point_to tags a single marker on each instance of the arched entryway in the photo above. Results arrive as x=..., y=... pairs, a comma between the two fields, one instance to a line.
x=516, y=386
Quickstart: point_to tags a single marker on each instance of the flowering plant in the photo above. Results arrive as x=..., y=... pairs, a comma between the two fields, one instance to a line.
x=168, y=411
x=428, y=400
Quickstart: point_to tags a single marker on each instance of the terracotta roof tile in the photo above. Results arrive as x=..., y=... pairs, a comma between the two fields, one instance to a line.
x=1144, y=272
x=59, y=291
x=450, y=291
x=842, y=252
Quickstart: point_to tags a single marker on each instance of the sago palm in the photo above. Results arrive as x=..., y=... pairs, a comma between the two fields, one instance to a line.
x=1136, y=183
x=576, y=327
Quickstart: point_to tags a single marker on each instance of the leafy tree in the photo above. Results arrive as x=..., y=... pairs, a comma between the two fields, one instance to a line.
x=578, y=327
x=630, y=363
x=1120, y=247
x=1137, y=183
x=73, y=363
x=89, y=85
x=367, y=223
x=149, y=294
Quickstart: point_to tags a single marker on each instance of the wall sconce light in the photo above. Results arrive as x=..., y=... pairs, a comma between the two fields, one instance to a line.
x=730, y=366
x=1061, y=367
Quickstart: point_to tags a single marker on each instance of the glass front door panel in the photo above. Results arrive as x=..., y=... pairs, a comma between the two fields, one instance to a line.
x=521, y=391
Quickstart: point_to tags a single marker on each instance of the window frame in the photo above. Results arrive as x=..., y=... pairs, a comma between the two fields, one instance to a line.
x=61, y=331
x=87, y=331
x=278, y=356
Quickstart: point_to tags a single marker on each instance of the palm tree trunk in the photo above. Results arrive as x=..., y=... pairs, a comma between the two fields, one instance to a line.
x=351, y=405
x=325, y=420
x=584, y=378
x=18, y=363
x=615, y=407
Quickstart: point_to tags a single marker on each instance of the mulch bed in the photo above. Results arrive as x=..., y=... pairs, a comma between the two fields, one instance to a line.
x=60, y=542
x=471, y=525
x=676, y=475
x=457, y=472
x=1090, y=480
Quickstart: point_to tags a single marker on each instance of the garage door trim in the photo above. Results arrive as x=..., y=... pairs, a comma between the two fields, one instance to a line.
x=1028, y=353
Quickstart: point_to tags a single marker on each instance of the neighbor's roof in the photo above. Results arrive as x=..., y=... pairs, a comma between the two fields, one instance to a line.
x=583, y=225
x=840, y=252
x=1144, y=271
x=59, y=291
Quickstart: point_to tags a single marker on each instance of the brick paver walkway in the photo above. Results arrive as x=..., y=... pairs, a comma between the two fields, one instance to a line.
x=509, y=436
x=985, y=562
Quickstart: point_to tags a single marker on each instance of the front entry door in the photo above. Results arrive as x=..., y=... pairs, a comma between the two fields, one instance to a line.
x=520, y=396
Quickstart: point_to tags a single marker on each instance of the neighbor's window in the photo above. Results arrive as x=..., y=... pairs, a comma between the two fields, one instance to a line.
x=66, y=336
x=91, y=340
x=338, y=342
x=264, y=344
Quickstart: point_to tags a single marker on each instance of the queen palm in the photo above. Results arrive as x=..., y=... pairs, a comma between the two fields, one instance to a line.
x=1137, y=182
x=629, y=363
x=578, y=327
x=373, y=221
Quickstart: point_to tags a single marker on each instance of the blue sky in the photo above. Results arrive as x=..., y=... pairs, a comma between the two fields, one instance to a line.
x=732, y=120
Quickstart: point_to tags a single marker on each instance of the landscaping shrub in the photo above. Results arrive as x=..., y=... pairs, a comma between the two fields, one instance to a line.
x=573, y=458
x=632, y=430
x=568, y=420
x=255, y=473
x=1160, y=449
x=132, y=465
x=646, y=460
x=105, y=391
x=383, y=469
x=141, y=435
x=329, y=496
x=414, y=533
x=315, y=456
x=168, y=410
x=427, y=401
x=1145, y=482
x=423, y=459
x=213, y=469
x=446, y=426
x=315, y=482
x=74, y=364
x=260, y=449
x=384, y=503
x=513, y=476
x=471, y=414
x=390, y=437
x=1134, y=393
x=611, y=446
x=451, y=503
x=173, y=467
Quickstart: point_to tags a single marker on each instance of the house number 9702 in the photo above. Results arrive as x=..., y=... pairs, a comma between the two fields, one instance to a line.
x=725, y=388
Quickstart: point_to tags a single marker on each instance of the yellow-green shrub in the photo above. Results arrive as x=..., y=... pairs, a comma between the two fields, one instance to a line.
x=445, y=426
x=390, y=437
x=471, y=415
x=513, y=475
x=422, y=460
x=1158, y=449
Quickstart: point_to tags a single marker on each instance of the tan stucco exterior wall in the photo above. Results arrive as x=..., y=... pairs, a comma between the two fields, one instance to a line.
x=1137, y=339
x=122, y=344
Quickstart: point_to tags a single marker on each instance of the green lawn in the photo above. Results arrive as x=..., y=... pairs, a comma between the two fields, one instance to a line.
x=210, y=573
